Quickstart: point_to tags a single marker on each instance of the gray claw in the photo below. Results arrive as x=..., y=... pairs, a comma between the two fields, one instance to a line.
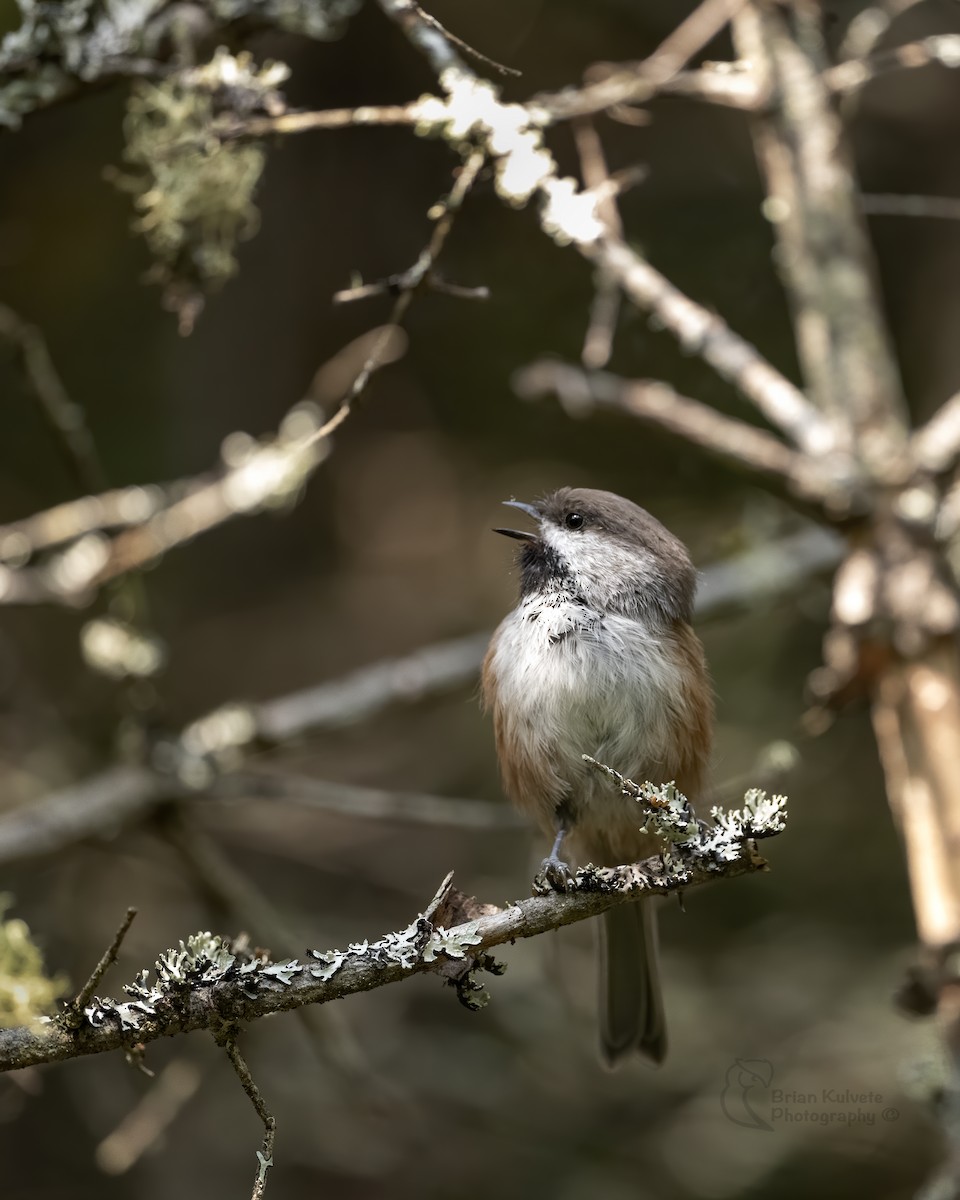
x=554, y=876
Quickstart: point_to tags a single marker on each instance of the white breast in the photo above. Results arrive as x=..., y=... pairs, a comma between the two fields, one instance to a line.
x=573, y=681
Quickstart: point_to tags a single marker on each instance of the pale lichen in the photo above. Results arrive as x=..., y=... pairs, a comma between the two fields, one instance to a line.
x=206, y=960
x=689, y=842
x=60, y=46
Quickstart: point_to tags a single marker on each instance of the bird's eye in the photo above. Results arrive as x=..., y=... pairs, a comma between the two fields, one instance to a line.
x=573, y=520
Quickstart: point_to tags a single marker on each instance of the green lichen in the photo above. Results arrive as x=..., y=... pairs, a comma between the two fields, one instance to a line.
x=26, y=993
x=193, y=189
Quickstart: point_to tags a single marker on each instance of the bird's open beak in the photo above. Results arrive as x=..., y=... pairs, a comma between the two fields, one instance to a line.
x=521, y=534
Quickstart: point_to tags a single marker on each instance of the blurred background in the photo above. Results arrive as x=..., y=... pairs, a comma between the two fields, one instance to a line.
x=781, y=981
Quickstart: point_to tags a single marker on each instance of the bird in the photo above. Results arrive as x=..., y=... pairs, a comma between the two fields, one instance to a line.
x=599, y=657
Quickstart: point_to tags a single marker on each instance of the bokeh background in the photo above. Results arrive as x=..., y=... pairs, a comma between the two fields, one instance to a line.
x=402, y=1092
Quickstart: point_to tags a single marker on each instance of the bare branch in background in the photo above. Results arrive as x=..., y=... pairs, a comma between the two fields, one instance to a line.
x=65, y=418
x=939, y=208
x=702, y=332
x=855, y=73
x=639, y=82
x=936, y=445
x=257, y=476
x=146, y=1123
x=605, y=309
x=657, y=403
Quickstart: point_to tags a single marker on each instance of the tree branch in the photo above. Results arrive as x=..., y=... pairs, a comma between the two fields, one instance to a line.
x=658, y=404
x=205, y=985
x=825, y=258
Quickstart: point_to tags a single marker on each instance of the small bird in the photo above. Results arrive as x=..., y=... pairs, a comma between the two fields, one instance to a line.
x=599, y=658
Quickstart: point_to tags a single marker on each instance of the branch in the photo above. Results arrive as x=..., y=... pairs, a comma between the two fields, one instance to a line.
x=639, y=82
x=122, y=795
x=825, y=258
x=205, y=985
x=65, y=418
x=657, y=403
x=258, y=476
x=850, y=76
x=936, y=445
x=60, y=50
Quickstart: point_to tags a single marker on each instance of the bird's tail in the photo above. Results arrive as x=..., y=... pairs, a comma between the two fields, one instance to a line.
x=631, y=1003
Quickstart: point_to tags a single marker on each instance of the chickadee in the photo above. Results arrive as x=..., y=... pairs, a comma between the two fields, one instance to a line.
x=599, y=658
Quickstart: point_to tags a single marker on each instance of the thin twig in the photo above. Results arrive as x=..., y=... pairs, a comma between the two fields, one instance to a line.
x=265, y=1154
x=605, y=309
x=469, y=50
x=641, y=81
x=265, y=475
x=74, y=1010
x=366, y=803
x=936, y=445
x=65, y=418
x=849, y=76
x=942, y=208
x=145, y=1124
x=702, y=332
x=331, y=118
x=449, y=207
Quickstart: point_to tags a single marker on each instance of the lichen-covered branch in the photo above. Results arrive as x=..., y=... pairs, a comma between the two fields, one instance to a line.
x=206, y=984
x=60, y=49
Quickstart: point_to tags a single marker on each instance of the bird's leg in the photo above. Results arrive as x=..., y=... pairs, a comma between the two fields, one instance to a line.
x=554, y=874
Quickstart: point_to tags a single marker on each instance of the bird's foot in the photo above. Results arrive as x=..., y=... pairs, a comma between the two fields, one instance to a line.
x=554, y=876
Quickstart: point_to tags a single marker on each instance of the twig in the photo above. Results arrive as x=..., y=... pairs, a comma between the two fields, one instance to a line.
x=936, y=445
x=65, y=418
x=730, y=84
x=264, y=1155
x=146, y=1123
x=849, y=76
x=399, y=283
x=262, y=476
x=657, y=403
x=943, y=208
x=216, y=989
x=702, y=332
x=469, y=50
x=598, y=343
x=448, y=209
x=73, y=1013
x=331, y=118
x=641, y=81
x=365, y=803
